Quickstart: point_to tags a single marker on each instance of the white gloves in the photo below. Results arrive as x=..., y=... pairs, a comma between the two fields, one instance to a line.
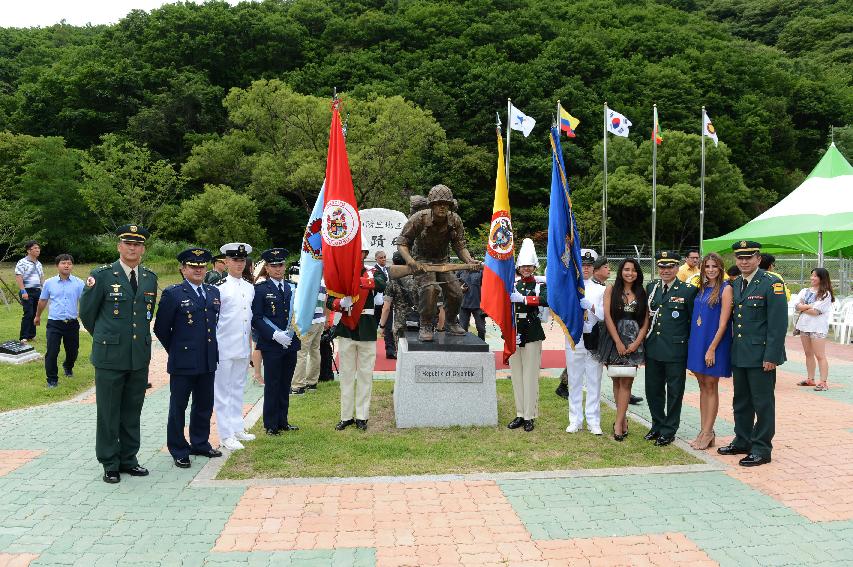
x=586, y=303
x=516, y=297
x=282, y=338
x=346, y=302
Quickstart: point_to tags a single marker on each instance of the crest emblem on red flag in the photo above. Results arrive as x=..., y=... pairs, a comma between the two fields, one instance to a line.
x=340, y=224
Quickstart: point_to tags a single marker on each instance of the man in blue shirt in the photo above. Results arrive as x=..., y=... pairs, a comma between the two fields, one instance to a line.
x=63, y=291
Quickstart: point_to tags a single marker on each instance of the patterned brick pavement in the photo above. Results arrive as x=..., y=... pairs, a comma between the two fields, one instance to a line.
x=55, y=510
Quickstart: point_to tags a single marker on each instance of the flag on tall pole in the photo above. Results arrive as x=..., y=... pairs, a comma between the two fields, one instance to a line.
x=499, y=269
x=656, y=140
x=618, y=124
x=310, y=268
x=341, y=225
x=708, y=128
x=709, y=131
x=563, y=273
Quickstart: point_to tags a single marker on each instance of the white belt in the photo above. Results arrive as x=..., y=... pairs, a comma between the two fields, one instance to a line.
x=521, y=315
x=367, y=311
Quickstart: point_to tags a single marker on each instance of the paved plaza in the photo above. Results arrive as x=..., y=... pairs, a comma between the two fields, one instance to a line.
x=55, y=510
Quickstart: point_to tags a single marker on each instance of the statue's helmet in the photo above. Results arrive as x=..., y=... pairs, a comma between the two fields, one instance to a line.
x=440, y=194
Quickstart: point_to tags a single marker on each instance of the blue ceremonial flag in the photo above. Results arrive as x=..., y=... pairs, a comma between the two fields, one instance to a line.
x=563, y=274
x=310, y=268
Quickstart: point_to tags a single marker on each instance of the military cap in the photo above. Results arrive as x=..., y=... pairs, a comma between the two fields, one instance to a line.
x=132, y=233
x=218, y=257
x=667, y=258
x=745, y=248
x=588, y=257
x=236, y=250
x=195, y=257
x=274, y=256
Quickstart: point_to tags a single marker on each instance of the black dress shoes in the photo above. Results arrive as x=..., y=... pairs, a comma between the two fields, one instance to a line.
x=112, y=477
x=731, y=449
x=651, y=435
x=272, y=431
x=516, y=423
x=753, y=460
x=343, y=424
x=210, y=453
x=361, y=424
x=183, y=463
x=528, y=425
x=135, y=471
x=634, y=400
x=289, y=427
x=664, y=440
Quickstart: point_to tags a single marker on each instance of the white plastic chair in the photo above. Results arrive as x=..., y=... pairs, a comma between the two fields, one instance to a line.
x=845, y=326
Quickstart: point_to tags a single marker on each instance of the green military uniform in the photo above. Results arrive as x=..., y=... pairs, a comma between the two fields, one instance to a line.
x=666, y=350
x=527, y=322
x=760, y=322
x=119, y=322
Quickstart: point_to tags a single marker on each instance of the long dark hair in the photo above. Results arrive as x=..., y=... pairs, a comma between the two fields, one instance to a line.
x=617, y=301
x=825, y=284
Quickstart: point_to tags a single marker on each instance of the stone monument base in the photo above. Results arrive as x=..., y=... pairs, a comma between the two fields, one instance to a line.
x=445, y=384
x=16, y=352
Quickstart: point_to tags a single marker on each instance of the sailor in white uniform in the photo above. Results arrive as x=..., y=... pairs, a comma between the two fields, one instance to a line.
x=581, y=366
x=234, y=334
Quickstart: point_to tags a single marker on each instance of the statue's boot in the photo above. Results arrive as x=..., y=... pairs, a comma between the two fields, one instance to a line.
x=454, y=328
x=425, y=333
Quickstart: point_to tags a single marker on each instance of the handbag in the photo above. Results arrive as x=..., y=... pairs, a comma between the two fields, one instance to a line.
x=620, y=371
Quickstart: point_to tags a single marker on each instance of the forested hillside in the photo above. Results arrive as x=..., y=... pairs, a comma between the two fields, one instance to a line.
x=190, y=115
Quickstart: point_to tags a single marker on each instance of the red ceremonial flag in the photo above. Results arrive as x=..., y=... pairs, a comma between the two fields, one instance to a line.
x=341, y=228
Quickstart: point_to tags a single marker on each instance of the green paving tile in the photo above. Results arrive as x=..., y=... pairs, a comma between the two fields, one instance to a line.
x=714, y=510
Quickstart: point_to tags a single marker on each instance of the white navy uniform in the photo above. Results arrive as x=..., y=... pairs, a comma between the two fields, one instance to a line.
x=234, y=334
x=582, y=367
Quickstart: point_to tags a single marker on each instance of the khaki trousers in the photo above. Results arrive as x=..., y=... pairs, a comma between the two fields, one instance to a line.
x=524, y=367
x=356, y=377
x=307, y=371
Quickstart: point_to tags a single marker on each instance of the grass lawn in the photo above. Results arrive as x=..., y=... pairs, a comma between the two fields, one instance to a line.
x=25, y=385
x=317, y=450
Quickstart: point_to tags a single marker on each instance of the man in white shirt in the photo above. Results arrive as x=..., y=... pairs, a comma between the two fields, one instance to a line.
x=581, y=366
x=233, y=333
x=29, y=275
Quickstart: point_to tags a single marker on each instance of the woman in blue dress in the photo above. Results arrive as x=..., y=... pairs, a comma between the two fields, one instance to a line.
x=710, y=345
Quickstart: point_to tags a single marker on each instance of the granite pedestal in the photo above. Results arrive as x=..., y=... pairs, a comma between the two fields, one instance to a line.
x=450, y=381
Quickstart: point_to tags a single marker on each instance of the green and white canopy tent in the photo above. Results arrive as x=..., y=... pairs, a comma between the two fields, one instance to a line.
x=816, y=218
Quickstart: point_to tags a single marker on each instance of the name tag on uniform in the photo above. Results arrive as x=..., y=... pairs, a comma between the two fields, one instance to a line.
x=271, y=296
x=676, y=300
x=755, y=297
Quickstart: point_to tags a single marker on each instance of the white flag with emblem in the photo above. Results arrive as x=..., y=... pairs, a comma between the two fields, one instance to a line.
x=617, y=124
x=708, y=129
x=520, y=121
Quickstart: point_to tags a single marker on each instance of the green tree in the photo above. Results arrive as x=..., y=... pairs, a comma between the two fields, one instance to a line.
x=219, y=215
x=123, y=183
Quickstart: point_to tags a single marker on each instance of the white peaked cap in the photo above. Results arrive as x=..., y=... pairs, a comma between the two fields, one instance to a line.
x=233, y=246
x=527, y=255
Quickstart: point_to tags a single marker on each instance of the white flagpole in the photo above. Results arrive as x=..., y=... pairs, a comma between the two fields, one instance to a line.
x=604, y=192
x=702, y=188
x=508, y=130
x=654, y=178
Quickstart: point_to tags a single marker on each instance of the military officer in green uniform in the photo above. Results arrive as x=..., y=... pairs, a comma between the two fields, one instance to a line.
x=670, y=313
x=760, y=321
x=117, y=307
x=218, y=272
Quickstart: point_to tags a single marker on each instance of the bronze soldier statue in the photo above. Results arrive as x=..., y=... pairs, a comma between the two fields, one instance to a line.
x=424, y=244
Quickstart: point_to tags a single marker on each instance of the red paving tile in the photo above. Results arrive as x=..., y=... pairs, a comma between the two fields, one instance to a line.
x=428, y=529
x=812, y=468
x=11, y=459
x=17, y=559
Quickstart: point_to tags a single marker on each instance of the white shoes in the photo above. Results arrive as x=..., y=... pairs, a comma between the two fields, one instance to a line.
x=232, y=444
x=572, y=428
x=244, y=436
x=594, y=429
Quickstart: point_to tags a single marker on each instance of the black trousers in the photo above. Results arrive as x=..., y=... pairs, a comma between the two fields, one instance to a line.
x=28, y=328
x=754, y=408
x=665, y=394
x=200, y=386
x=278, y=377
x=387, y=332
x=57, y=332
x=479, y=320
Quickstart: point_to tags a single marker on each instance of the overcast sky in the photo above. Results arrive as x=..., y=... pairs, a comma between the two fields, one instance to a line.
x=42, y=13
